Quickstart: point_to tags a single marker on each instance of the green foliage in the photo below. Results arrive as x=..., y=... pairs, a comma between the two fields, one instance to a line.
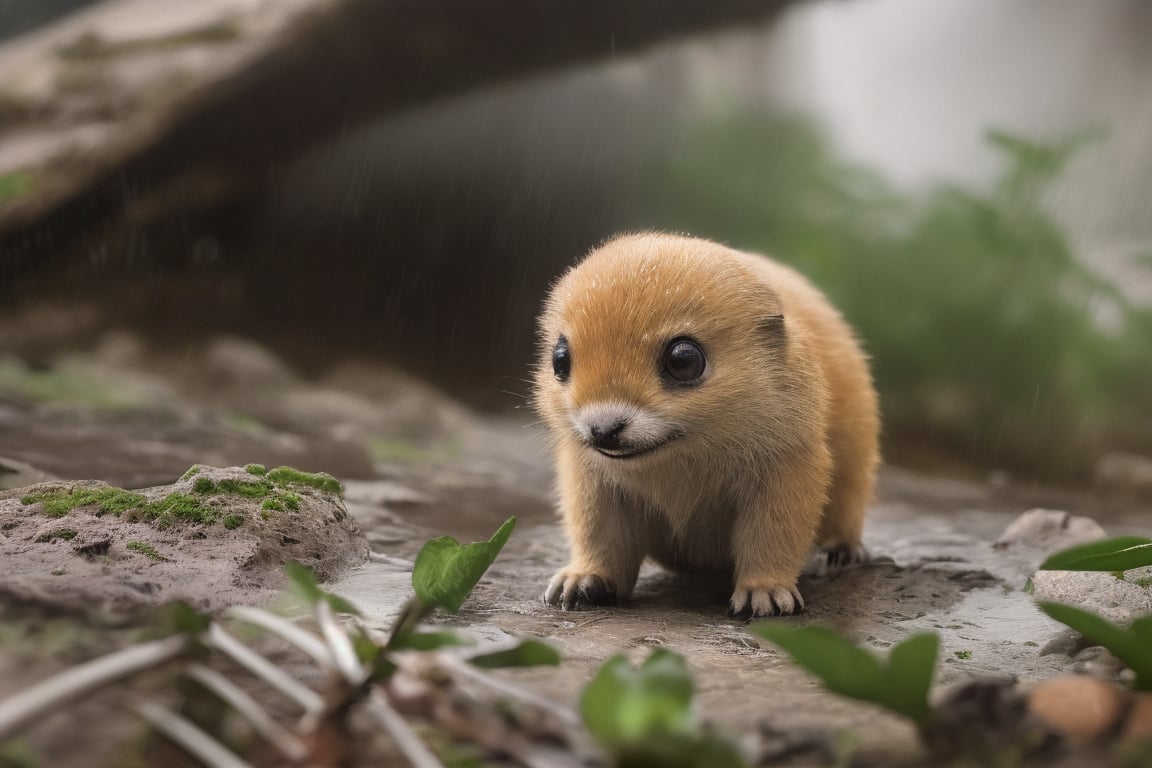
x=527, y=653
x=256, y=469
x=60, y=387
x=175, y=508
x=900, y=685
x=1114, y=555
x=319, y=480
x=14, y=186
x=145, y=549
x=1133, y=646
x=302, y=583
x=232, y=522
x=445, y=571
x=183, y=619
x=980, y=320
x=106, y=499
x=643, y=715
x=255, y=489
x=427, y=641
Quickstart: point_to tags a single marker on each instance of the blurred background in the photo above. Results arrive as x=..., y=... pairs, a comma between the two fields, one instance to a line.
x=397, y=184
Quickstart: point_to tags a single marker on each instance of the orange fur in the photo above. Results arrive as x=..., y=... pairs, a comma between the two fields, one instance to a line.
x=772, y=451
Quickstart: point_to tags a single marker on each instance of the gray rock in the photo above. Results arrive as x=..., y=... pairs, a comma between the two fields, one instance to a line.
x=1049, y=530
x=91, y=557
x=1115, y=599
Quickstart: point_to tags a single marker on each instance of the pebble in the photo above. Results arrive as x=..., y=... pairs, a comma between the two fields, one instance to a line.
x=1081, y=708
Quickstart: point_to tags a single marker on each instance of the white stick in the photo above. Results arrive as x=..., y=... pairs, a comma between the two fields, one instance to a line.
x=340, y=647
x=285, y=630
x=417, y=752
x=195, y=741
x=307, y=698
x=277, y=735
x=72, y=684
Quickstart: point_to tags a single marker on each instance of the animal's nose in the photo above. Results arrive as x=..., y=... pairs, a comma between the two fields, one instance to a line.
x=606, y=434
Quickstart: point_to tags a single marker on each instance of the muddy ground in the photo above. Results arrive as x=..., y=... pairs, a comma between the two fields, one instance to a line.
x=416, y=465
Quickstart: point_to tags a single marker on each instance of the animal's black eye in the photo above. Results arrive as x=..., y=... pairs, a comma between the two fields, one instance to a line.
x=684, y=361
x=561, y=360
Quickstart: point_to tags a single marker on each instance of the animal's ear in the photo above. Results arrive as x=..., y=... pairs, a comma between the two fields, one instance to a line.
x=773, y=330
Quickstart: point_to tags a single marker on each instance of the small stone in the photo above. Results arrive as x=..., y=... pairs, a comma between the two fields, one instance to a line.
x=1097, y=662
x=1081, y=708
x=1049, y=530
x=1102, y=593
x=239, y=362
x=1068, y=642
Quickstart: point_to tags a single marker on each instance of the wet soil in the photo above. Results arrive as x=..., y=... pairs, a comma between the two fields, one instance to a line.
x=416, y=465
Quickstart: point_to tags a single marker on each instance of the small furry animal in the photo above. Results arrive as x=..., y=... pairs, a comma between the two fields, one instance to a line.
x=709, y=409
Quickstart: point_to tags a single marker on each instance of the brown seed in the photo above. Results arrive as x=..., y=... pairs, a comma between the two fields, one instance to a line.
x=1081, y=708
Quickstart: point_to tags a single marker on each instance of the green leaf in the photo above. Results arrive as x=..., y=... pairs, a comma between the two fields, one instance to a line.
x=302, y=584
x=900, y=685
x=643, y=716
x=445, y=572
x=1132, y=646
x=428, y=641
x=528, y=653
x=186, y=620
x=366, y=648
x=908, y=677
x=1120, y=554
x=843, y=667
x=624, y=705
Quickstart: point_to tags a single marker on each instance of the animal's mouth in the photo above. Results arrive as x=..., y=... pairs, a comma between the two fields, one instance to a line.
x=635, y=451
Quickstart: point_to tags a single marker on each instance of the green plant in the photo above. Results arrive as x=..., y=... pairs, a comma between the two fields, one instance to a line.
x=1133, y=645
x=145, y=549
x=360, y=670
x=643, y=715
x=1116, y=555
x=446, y=571
x=277, y=488
x=900, y=684
x=979, y=316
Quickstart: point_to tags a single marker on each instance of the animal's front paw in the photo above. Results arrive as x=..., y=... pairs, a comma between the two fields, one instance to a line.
x=751, y=601
x=840, y=555
x=572, y=588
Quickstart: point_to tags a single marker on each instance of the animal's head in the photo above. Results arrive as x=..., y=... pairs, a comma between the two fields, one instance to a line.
x=654, y=345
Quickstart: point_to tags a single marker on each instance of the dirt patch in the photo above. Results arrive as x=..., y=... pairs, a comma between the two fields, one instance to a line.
x=75, y=583
x=91, y=544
